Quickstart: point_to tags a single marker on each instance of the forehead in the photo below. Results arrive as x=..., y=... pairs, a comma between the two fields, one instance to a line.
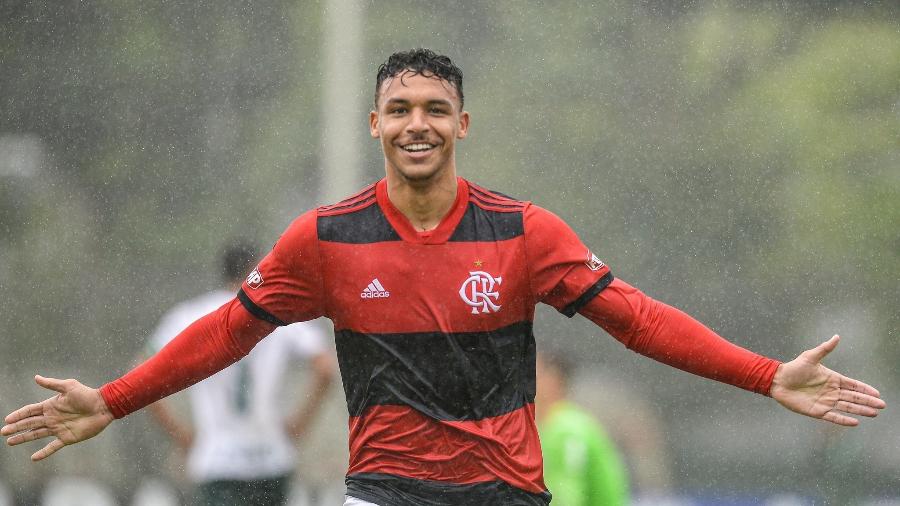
x=417, y=87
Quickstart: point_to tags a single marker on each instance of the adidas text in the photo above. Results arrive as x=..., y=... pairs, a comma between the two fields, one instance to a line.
x=374, y=291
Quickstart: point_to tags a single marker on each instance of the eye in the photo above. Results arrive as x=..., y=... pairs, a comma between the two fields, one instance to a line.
x=437, y=110
x=398, y=110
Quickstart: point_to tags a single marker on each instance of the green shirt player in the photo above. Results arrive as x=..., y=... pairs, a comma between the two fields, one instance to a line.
x=581, y=464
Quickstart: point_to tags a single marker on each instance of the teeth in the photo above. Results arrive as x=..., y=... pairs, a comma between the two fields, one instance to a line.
x=418, y=147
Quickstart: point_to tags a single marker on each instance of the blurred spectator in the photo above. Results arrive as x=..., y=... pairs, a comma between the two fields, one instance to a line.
x=77, y=491
x=581, y=465
x=155, y=492
x=243, y=451
x=5, y=496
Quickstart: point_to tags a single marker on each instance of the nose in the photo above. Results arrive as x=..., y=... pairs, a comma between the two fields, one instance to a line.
x=418, y=121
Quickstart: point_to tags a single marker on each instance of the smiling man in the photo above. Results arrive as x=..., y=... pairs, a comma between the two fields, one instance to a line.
x=418, y=117
x=431, y=282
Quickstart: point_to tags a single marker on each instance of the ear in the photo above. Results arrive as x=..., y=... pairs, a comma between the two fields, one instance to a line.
x=373, y=124
x=463, y=125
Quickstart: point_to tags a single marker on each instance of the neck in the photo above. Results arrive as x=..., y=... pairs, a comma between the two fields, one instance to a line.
x=425, y=204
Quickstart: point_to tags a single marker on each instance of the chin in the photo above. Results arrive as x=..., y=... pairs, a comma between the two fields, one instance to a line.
x=418, y=174
x=419, y=177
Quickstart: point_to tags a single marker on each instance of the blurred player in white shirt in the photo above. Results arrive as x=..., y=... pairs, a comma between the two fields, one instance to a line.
x=241, y=444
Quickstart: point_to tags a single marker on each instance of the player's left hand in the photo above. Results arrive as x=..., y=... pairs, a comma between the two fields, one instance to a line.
x=75, y=414
x=805, y=386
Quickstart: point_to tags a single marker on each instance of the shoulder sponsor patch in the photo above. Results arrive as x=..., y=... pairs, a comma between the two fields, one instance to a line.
x=594, y=263
x=255, y=279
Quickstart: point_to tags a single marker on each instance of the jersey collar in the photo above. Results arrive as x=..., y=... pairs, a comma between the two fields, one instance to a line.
x=404, y=228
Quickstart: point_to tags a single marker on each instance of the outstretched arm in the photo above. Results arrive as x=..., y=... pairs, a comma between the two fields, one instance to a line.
x=805, y=386
x=75, y=414
x=668, y=335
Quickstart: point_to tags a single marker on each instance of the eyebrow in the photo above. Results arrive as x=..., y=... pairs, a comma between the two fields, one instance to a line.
x=403, y=101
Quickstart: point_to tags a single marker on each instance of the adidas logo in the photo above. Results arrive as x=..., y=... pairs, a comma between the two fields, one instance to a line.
x=374, y=291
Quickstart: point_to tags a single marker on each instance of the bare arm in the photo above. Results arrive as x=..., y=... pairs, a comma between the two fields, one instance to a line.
x=323, y=375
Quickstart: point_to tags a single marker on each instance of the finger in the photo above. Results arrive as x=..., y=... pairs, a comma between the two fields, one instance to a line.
x=23, y=425
x=854, y=409
x=861, y=399
x=859, y=386
x=821, y=351
x=29, y=436
x=51, y=448
x=57, y=385
x=30, y=410
x=839, y=419
x=35, y=422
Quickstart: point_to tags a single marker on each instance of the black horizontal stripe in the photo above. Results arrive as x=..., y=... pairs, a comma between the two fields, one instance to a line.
x=482, y=225
x=493, y=194
x=363, y=226
x=257, y=311
x=458, y=376
x=390, y=490
x=364, y=191
x=347, y=204
x=503, y=205
x=589, y=294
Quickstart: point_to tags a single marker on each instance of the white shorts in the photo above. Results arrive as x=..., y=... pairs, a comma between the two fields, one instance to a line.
x=352, y=501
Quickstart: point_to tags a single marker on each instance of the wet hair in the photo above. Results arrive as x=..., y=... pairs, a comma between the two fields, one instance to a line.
x=237, y=260
x=423, y=62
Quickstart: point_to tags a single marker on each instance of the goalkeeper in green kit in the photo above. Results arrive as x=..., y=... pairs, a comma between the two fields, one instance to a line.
x=581, y=464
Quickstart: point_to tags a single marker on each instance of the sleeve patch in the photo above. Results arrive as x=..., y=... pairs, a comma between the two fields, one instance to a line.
x=255, y=279
x=594, y=263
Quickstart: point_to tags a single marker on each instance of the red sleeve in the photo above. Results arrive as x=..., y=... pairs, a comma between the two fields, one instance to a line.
x=670, y=336
x=286, y=287
x=562, y=270
x=207, y=346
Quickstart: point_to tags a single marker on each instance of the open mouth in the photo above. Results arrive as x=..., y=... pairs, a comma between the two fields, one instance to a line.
x=418, y=147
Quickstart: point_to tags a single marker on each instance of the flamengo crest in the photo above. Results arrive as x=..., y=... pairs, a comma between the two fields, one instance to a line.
x=478, y=291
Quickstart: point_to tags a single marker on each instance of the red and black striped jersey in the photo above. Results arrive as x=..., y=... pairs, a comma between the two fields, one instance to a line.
x=434, y=336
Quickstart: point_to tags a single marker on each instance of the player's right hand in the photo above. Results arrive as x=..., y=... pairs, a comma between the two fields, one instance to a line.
x=75, y=414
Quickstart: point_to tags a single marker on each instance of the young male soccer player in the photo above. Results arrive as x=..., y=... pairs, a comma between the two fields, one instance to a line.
x=431, y=282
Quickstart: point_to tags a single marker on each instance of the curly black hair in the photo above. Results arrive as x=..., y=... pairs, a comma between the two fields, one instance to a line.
x=420, y=61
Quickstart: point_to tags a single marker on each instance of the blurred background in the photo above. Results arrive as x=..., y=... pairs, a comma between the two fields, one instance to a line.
x=739, y=160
